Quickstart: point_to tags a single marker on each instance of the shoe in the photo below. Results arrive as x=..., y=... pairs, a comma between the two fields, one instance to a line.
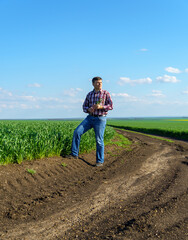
x=71, y=156
x=99, y=164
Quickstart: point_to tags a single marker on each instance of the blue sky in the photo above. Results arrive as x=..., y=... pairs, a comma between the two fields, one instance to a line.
x=51, y=49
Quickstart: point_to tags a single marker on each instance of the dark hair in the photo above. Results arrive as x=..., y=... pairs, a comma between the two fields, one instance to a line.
x=96, y=78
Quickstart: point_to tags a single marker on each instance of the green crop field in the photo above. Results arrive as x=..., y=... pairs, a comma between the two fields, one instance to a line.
x=168, y=127
x=27, y=140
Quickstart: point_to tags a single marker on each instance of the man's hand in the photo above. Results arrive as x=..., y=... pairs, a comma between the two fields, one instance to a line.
x=97, y=106
x=91, y=110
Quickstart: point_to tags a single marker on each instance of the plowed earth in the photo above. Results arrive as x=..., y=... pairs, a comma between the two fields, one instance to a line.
x=137, y=194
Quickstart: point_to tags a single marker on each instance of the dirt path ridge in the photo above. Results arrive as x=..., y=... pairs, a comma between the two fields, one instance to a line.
x=138, y=194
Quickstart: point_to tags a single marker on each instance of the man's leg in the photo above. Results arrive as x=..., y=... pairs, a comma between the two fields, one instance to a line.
x=99, y=128
x=84, y=126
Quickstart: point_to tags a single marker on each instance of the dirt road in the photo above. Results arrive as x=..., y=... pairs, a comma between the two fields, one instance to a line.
x=138, y=194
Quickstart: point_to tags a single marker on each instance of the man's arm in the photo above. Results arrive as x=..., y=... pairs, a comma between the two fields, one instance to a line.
x=108, y=104
x=86, y=107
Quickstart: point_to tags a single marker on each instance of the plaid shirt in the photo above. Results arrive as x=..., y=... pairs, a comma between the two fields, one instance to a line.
x=101, y=96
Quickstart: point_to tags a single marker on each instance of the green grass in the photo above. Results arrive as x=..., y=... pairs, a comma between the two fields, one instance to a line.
x=28, y=140
x=121, y=141
x=31, y=171
x=173, y=128
x=155, y=137
x=63, y=164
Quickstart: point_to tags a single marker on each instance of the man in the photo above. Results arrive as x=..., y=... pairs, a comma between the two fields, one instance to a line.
x=96, y=104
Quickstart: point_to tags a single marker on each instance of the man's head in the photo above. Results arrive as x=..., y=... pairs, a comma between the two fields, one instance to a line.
x=97, y=83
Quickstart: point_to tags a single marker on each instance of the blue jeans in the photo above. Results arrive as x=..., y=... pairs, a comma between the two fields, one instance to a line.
x=98, y=124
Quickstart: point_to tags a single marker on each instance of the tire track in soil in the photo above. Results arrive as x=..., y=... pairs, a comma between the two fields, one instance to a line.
x=140, y=194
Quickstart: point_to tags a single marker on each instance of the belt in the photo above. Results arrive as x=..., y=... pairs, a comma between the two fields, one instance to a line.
x=97, y=115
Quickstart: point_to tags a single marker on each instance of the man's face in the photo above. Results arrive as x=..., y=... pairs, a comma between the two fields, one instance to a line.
x=97, y=85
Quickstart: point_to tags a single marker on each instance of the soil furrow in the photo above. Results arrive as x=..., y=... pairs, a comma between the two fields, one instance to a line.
x=138, y=194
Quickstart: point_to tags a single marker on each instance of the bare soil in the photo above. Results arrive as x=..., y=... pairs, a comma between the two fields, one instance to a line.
x=137, y=194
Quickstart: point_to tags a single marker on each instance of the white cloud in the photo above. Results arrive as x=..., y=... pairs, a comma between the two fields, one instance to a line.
x=120, y=95
x=157, y=93
x=40, y=99
x=172, y=70
x=27, y=98
x=76, y=100
x=50, y=99
x=186, y=70
x=25, y=106
x=72, y=92
x=8, y=100
x=143, y=49
x=3, y=105
x=124, y=97
x=35, y=85
x=79, y=89
x=67, y=107
x=124, y=80
x=16, y=104
x=185, y=92
x=4, y=93
x=167, y=79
